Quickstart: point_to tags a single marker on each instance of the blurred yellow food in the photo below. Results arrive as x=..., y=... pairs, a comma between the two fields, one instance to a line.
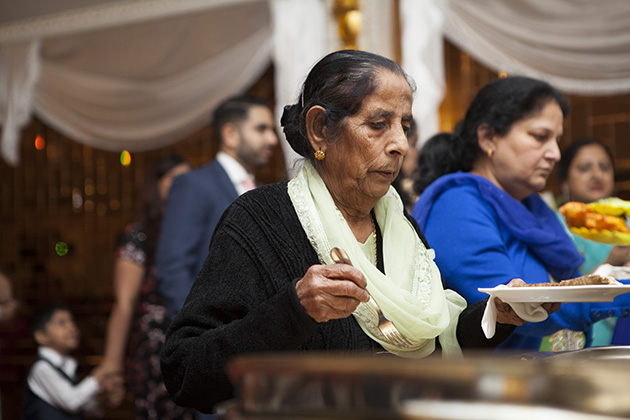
x=604, y=236
x=613, y=206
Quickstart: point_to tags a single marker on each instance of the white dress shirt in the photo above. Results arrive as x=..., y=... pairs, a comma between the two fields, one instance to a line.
x=49, y=385
x=241, y=179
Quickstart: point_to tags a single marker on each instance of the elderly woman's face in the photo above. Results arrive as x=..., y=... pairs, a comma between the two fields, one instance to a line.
x=525, y=156
x=366, y=158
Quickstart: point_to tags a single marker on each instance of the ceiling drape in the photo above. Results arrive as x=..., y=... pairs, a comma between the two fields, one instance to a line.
x=141, y=74
x=134, y=87
x=580, y=46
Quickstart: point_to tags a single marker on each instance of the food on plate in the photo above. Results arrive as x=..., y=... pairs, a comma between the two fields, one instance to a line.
x=581, y=215
x=602, y=221
x=589, y=279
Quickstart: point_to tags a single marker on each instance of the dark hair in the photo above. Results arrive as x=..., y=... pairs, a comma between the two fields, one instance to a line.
x=499, y=104
x=149, y=211
x=43, y=315
x=572, y=150
x=435, y=148
x=234, y=110
x=338, y=82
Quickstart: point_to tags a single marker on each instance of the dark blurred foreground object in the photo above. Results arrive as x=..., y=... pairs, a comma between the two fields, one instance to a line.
x=583, y=384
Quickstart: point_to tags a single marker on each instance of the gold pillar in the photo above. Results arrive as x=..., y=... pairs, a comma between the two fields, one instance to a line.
x=349, y=22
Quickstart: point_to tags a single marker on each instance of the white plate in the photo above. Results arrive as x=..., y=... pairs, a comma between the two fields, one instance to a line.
x=591, y=293
x=463, y=410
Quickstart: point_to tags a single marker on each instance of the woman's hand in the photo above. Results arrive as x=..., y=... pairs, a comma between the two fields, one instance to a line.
x=506, y=315
x=331, y=291
x=619, y=256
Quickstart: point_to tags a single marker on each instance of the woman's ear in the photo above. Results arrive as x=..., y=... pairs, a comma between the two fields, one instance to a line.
x=316, y=127
x=486, y=139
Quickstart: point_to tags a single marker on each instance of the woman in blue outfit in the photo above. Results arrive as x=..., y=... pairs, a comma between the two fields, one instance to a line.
x=481, y=212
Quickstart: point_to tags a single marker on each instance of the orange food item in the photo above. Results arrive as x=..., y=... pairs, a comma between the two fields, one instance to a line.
x=580, y=215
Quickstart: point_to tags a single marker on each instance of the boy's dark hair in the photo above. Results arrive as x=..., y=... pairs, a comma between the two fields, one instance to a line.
x=42, y=315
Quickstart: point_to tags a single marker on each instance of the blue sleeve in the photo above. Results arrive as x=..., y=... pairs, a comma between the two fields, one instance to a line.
x=472, y=252
x=181, y=236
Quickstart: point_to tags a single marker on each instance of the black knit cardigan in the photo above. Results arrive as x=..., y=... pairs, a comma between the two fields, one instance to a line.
x=244, y=301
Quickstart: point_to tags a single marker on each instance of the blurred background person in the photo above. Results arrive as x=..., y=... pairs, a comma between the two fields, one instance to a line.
x=434, y=148
x=586, y=173
x=404, y=181
x=138, y=320
x=8, y=303
x=482, y=214
x=245, y=130
x=8, y=306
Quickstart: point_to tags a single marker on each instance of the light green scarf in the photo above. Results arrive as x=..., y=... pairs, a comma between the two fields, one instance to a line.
x=411, y=294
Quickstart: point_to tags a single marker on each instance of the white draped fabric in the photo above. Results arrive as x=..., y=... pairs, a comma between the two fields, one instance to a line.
x=146, y=86
x=422, y=58
x=134, y=87
x=580, y=46
x=297, y=46
x=141, y=74
x=19, y=68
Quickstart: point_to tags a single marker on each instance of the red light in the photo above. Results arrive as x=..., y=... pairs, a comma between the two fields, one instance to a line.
x=40, y=143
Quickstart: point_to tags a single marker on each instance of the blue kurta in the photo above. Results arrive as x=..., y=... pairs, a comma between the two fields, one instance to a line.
x=483, y=237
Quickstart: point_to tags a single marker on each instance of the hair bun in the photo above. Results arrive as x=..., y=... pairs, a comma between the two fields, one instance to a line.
x=290, y=122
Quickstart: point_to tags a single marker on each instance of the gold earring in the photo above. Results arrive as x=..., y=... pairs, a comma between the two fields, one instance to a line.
x=320, y=155
x=490, y=152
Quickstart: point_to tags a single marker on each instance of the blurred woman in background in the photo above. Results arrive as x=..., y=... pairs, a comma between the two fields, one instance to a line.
x=586, y=173
x=138, y=320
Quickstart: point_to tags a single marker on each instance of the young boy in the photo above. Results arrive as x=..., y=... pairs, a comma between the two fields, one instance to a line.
x=53, y=392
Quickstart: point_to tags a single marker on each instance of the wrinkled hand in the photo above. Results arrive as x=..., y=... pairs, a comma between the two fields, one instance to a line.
x=332, y=291
x=506, y=315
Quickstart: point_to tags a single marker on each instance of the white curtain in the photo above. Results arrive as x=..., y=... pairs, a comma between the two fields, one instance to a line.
x=19, y=69
x=147, y=85
x=141, y=86
x=580, y=46
x=423, y=59
x=299, y=28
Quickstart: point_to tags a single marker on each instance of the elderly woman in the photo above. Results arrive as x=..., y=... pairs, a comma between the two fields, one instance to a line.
x=482, y=214
x=269, y=283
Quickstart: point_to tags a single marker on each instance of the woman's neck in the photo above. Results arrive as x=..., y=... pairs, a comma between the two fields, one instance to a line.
x=359, y=220
x=486, y=172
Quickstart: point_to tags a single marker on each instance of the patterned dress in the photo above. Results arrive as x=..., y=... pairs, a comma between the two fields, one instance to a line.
x=151, y=400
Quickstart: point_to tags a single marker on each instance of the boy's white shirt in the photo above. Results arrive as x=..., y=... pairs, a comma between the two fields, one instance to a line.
x=48, y=384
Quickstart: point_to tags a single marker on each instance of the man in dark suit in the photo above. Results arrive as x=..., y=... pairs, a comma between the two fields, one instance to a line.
x=244, y=127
